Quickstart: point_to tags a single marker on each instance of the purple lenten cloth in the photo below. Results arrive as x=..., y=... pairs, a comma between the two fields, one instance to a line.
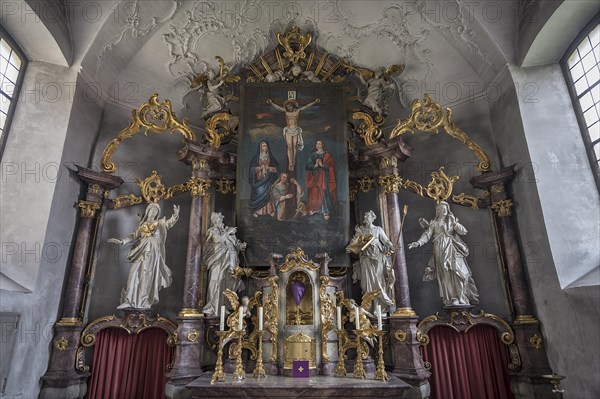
x=297, y=291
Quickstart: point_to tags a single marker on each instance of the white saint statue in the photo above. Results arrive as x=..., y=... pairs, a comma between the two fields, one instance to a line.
x=374, y=269
x=149, y=272
x=221, y=259
x=448, y=263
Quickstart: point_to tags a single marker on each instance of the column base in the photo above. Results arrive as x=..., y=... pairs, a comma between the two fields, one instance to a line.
x=177, y=391
x=531, y=388
x=188, y=353
x=418, y=392
x=408, y=365
x=64, y=386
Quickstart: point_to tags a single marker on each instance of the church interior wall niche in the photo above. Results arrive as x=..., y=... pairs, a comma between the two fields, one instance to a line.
x=293, y=170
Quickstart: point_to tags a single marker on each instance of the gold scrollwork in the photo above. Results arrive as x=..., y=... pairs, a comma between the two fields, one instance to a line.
x=503, y=208
x=126, y=200
x=95, y=189
x=152, y=116
x=536, y=341
x=192, y=335
x=295, y=36
x=213, y=136
x=151, y=187
x=297, y=258
x=61, y=344
x=400, y=335
x=225, y=185
x=327, y=315
x=470, y=200
x=353, y=190
x=88, y=208
x=369, y=129
x=173, y=339
x=428, y=116
x=80, y=365
x=299, y=346
x=440, y=186
x=497, y=189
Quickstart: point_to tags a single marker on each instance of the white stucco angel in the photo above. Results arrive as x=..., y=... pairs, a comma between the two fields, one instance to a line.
x=149, y=272
x=222, y=261
x=449, y=260
x=211, y=86
x=374, y=268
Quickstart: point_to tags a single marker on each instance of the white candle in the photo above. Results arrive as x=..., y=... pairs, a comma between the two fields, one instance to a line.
x=222, y=322
x=379, y=323
x=339, y=317
x=356, y=318
x=242, y=310
x=260, y=318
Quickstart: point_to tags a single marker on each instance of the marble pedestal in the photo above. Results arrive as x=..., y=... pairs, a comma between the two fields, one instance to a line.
x=288, y=387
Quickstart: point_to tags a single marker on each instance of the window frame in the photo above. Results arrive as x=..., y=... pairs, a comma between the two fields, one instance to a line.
x=585, y=134
x=18, y=85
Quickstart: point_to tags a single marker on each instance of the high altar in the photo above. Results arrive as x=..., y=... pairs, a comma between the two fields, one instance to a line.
x=302, y=298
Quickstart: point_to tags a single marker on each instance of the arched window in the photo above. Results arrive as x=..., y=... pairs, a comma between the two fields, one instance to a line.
x=12, y=68
x=582, y=70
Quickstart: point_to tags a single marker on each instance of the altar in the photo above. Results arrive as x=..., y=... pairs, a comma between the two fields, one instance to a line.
x=285, y=271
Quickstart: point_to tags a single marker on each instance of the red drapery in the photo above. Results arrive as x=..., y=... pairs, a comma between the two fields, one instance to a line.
x=472, y=365
x=130, y=366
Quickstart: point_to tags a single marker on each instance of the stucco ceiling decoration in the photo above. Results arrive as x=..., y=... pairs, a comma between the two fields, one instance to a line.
x=457, y=27
x=135, y=26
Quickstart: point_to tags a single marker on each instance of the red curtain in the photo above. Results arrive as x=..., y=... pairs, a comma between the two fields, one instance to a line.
x=130, y=366
x=472, y=365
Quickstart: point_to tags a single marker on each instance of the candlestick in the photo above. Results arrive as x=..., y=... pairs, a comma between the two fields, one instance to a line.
x=260, y=318
x=219, y=374
x=339, y=317
x=242, y=310
x=379, y=323
x=222, y=322
x=356, y=318
x=380, y=373
x=259, y=370
x=359, y=370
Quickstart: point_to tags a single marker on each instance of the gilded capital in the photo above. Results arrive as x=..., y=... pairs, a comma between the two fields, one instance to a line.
x=390, y=183
x=88, y=208
x=199, y=187
x=503, y=208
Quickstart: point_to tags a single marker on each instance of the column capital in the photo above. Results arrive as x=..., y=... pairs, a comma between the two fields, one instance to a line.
x=204, y=159
x=99, y=183
x=89, y=208
x=384, y=156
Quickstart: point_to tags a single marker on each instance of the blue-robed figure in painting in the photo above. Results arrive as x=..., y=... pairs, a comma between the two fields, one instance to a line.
x=264, y=170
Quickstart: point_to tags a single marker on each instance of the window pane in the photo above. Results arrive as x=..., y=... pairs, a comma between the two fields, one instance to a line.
x=573, y=59
x=2, y=119
x=591, y=116
x=12, y=73
x=4, y=49
x=4, y=104
x=581, y=86
x=576, y=71
x=584, y=47
x=586, y=101
x=597, y=151
x=593, y=76
x=15, y=60
x=8, y=88
x=589, y=61
x=595, y=36
x=594, y=132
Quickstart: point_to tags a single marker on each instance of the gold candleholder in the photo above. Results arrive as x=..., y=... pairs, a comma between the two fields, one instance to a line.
x=380, y=373
x=219, y=374
x=259, y=370
x=340, y=370
x=359, y=371
x=239, y=373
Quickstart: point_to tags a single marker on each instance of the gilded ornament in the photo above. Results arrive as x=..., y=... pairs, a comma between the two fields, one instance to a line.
x=88, y=208
x=297, y=258
x=152, y=188
x=369, y=129
x=69, y=321
x=95, y=189
x=271, y=307
x=503, y=208
x=225, y=185
x=297, y=346
x=497, y=189
x=536, y=341
x=327, y=316
x=526, y=319
x=80, y=366
x=294, y=38
x=61, y=344
x=470, y=200
x=126, y=200
x=192, y=335
x=152, y=116
x=390, y=183
x=428, y=116
x=366, y=184
x=321, y=63
x=173, y=339
x=353, y=190
x=440, y=187
x=218, y=130
x=404, y=312
x=199, y=187
x=400, y=335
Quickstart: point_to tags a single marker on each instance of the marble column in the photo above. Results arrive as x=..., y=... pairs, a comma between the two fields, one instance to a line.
x=62, y=379
x=528, y=335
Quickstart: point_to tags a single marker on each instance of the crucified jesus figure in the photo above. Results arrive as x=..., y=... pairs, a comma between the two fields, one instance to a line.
x=292, y=133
